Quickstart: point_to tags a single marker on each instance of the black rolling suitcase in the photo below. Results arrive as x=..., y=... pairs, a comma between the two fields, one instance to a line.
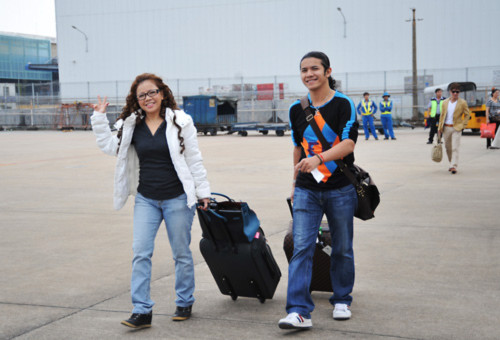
x=320, y=280
x=240, y=267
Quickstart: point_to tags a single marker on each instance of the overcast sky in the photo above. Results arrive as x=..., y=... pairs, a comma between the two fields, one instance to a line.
x=28, y=16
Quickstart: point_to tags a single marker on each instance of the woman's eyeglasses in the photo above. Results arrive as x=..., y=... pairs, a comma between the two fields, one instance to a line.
x=150, y=94
x=455, y=91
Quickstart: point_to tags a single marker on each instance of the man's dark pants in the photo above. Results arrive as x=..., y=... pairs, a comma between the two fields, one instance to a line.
x=433, y=125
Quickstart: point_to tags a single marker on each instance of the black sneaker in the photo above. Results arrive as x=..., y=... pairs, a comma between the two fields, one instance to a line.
x=139, y=321
x=182, y=313
x=386, y=138
x=429, y=142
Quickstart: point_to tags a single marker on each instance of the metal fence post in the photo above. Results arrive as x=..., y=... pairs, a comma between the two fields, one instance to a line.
x=88, y=92
x=242, y=89
x=32, y=101
x=51, y=91
x=346, y=82
x=178, y=86
x=385, y=81
x=116, y=90
x=276, y=96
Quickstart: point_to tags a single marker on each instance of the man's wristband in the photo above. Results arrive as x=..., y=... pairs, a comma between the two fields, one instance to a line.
x=320, y=159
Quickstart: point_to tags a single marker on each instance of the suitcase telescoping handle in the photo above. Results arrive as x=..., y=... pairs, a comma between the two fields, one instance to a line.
x=289, y=201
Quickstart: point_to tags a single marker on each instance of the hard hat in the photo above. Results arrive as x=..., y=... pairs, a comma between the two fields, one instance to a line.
x=386, y=94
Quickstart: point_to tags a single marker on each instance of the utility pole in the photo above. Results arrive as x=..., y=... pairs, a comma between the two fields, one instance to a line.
x=414, y=65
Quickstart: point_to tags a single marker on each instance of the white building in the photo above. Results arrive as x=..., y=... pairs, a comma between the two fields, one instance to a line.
x=197, y=44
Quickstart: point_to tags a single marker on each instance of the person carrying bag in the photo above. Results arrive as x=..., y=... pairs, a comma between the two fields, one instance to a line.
x=321, y=188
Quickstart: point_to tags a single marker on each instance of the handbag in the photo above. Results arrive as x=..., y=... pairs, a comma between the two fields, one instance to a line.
x=437, y=151
x=494, y=118
x=228, y=221
x=366, y=190
x=488, y=130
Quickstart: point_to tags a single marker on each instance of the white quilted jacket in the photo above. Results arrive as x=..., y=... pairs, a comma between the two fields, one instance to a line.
x=188, y=165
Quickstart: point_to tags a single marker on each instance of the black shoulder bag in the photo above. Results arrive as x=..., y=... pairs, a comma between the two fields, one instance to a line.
x=367, y=191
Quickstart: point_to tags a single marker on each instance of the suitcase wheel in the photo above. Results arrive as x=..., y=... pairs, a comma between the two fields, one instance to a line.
x=262, y=300
x=234, y=297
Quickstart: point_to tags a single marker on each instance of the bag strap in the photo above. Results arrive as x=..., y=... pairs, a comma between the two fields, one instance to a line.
x=304, y=102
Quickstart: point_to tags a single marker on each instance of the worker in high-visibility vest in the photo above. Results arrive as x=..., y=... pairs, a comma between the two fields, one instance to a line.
x=366, y=108
x=435, y=108
x=386, y=116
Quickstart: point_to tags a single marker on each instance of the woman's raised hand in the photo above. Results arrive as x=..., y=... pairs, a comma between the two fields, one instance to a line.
x=101, y=105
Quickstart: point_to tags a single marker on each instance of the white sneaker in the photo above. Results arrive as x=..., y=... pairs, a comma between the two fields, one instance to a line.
x=341, y=312
x=295, y=320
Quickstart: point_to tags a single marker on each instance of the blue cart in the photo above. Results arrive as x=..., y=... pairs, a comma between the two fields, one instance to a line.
x=210, y=113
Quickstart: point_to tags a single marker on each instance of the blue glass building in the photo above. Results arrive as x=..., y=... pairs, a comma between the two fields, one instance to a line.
x=17, y=51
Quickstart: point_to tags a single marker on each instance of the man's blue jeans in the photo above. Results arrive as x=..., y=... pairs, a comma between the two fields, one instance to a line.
x=308, y=209
x=178, y=217
x=368, y=124
x=387, y=125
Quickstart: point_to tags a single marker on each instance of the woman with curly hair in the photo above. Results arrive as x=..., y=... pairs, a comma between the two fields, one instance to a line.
x=158, y=161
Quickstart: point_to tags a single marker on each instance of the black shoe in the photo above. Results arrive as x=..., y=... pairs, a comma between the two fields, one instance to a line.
x=386, y=138
x=376, y=138
x=139, y=321
x=182, y=313
x=429, y=142
x=393, y=138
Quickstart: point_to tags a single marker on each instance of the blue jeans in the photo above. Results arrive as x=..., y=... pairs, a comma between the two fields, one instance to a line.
x=368, y=123
x=308, y=209
x=178, y=217
x=387, y=125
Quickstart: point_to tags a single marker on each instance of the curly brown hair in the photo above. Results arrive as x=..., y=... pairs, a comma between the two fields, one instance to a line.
x=132, y=105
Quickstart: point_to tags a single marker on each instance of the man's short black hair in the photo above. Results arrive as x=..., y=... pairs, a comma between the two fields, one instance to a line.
x=366, y=93
x=438, y=89
x=454, y=86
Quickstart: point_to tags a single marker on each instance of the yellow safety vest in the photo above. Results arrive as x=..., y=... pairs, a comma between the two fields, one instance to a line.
x=434, y=107
x=386, y=104
x=368, y=111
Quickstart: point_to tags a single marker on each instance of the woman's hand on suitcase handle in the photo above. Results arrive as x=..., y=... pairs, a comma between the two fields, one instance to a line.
x=205, y=202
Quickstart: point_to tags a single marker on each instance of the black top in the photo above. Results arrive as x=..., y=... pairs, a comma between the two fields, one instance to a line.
x=337, y=120
x=158, y=179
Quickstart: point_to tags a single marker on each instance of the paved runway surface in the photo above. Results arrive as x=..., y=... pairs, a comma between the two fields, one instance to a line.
x=427, y=267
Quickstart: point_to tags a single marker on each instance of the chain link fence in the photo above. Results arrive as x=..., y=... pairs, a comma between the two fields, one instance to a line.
x=260, y=99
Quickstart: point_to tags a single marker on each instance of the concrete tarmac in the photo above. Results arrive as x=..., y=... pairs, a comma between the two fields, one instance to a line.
x=427, y=267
